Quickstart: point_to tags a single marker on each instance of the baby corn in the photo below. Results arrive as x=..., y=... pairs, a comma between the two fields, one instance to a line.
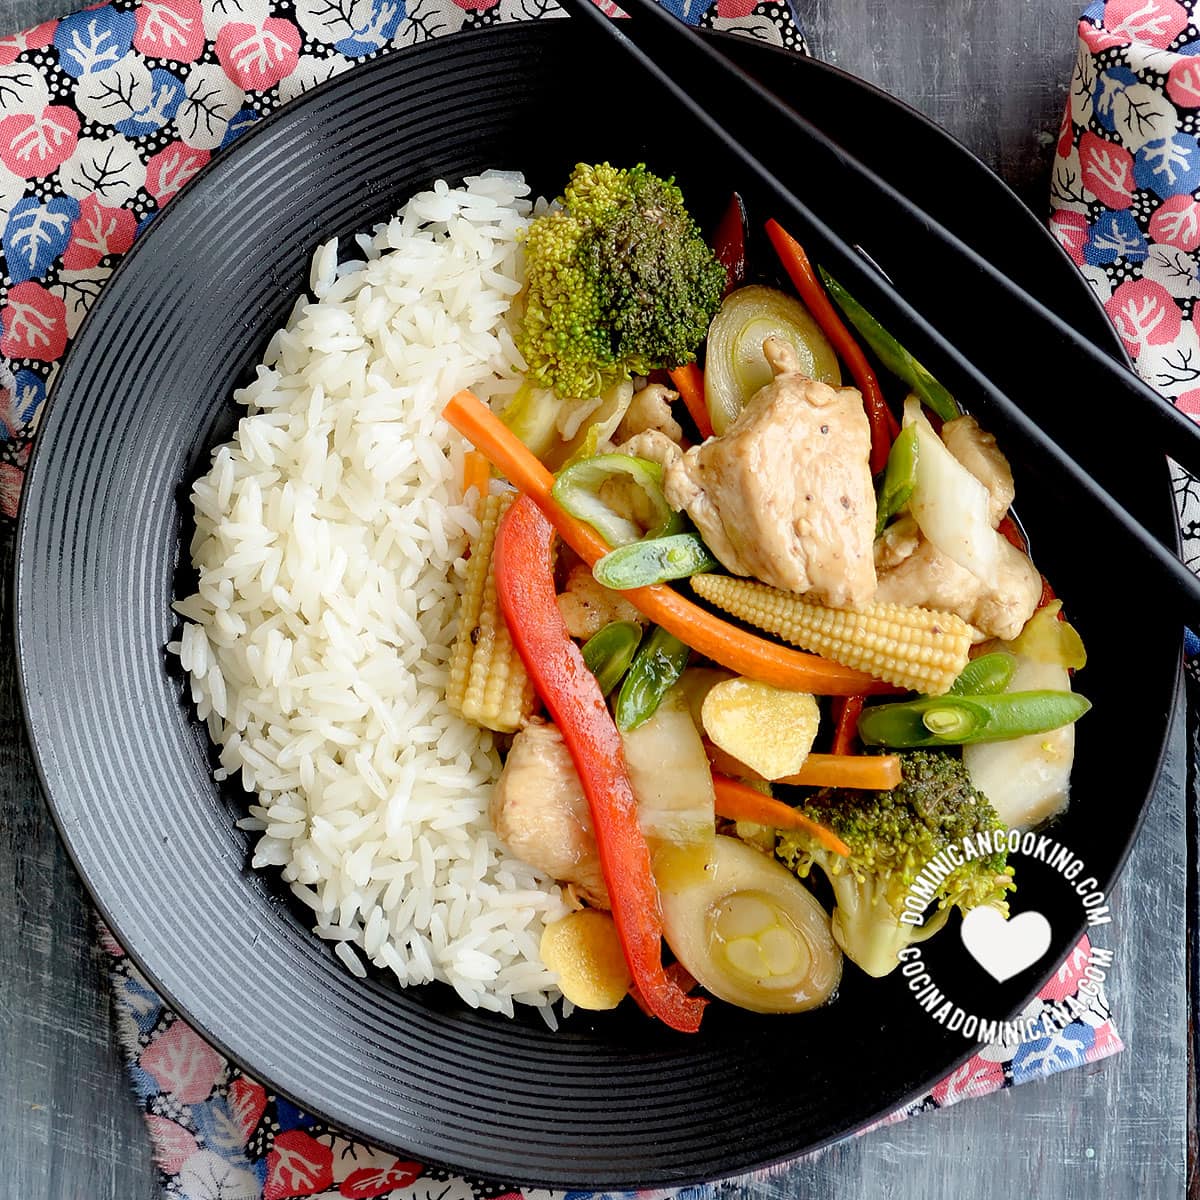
x=488, y=684
x=913, y=648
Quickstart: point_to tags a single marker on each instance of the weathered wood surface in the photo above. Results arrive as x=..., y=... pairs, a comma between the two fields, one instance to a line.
x=995, y=75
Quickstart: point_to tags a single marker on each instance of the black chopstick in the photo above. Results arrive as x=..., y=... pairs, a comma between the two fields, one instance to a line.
x=1022, y=345
x=1005, y=416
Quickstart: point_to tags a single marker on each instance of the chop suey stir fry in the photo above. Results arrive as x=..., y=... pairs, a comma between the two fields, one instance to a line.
x=744, y=623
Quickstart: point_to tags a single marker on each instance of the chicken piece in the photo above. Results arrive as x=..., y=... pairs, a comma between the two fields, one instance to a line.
x=650, y=408
x=976, y=449
x=540, y=813
x=653, y=445
x=897, y=542
x=785, y=494
x=929, y=579
x=587, y=606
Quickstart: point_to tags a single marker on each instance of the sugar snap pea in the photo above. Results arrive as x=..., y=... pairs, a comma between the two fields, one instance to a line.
x=609, y=651
x=655, y=560
x=656, y=667
x=959, y=720
x=985, y=675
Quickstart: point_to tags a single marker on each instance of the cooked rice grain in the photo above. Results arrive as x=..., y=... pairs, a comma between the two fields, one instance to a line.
x=329, y=542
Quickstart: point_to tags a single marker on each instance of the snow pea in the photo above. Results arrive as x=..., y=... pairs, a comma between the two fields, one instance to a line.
x=899, y=478
x=609, y=652
x=658, y=664
x=891, y=353
x=654, y=560
x=985, y=675
x=960, y=720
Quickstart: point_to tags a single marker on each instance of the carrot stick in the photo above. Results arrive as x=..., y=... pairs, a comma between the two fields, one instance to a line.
x=737, y=801
x=737, y=649
x=476, y=473
x=865, y=772
x=845, y=732
x=884, y=427
x=689, y=383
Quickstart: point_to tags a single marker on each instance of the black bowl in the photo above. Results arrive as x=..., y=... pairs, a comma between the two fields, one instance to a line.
x=608, y=1101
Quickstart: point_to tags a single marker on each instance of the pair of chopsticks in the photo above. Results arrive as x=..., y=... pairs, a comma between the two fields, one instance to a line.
x=987, y=339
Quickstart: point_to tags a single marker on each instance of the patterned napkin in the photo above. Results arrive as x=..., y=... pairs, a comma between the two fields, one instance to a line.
x=106, y=114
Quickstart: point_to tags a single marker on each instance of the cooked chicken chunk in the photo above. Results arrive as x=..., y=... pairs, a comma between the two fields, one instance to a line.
x=976, y=449
x=650, y=408
x=785, y=494
x=930, y=579
x=587, y=607
x=653, y=445
x=540, y=813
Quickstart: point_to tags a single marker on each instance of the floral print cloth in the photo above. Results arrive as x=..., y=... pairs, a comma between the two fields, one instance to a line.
x=107, y=113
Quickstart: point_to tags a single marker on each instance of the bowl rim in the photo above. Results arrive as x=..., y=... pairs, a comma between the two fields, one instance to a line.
x=36, y=466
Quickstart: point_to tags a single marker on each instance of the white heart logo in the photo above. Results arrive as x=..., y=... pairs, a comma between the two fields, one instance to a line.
x=1005, y=948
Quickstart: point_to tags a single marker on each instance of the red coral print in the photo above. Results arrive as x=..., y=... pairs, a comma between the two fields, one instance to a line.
x=976, y=1077
x=173, y=1145
x=37, y=38
x=367, y=1182
x=1145, y=314
x=1066, y=133
x=258, y=57
x=1189, y=403
x=34, y=146
x=247, y=1100
x=1151, y=22
x=1107, y=170
x=98, y=232
x=1176, y=222
x=1100, y=39
x=1065, y=981
x=1183, y=82
x=171, y=29
x=735, y=8
x=1070, y=229
x=1107, y=1042
x=297, y=1166
x=172, y=167
x=35, y=323
x=183, y=1063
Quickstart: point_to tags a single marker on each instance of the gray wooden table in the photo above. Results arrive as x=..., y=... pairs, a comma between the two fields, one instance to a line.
x=995, y=74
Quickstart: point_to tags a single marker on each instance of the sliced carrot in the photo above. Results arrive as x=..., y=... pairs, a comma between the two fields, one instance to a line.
x=737, y=801
x=865, y=772
x=689, y=383
x=476, y=473
x=884, y=426
x=735, y=648
x=862, y=772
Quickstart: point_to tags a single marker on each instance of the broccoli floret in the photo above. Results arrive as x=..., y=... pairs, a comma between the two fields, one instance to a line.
x=619, y=282
x=892, y=836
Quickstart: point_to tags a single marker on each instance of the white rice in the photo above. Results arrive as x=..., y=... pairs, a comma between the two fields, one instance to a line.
x=329, y=542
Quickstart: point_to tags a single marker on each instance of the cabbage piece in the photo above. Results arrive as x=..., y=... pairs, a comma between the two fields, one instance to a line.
x=949, y=504
x=670, y=775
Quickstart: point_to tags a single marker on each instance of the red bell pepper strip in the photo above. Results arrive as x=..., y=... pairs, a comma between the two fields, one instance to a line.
x=524, y=557
x=729, y=243
x=845, y=731
x=884, y=426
